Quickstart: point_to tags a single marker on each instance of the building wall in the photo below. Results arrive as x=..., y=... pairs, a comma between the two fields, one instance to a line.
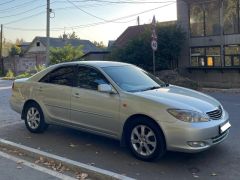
x=183, y=21
x=35, y=48
x=222, y=76
x=90, y=57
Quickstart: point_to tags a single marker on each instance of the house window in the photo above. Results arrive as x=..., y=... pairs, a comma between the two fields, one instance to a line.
x=196, y=20
x=232, y=55
x=37, y=44
x=197, y=56
x=214, y=54
x=205, y=18
x=231, y=16
x=205, y=57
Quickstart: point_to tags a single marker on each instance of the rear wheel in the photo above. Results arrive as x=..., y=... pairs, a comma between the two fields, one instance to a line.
x=34, y=119
x=145, y=140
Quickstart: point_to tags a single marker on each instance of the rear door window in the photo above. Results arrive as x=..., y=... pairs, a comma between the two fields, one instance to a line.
x=60, y=76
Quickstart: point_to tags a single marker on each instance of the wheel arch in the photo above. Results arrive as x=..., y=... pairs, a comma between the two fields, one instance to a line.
x=25, y=104
x=136, y=117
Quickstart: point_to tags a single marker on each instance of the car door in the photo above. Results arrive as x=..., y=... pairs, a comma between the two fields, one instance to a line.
x=54, y=93
x=91, y=109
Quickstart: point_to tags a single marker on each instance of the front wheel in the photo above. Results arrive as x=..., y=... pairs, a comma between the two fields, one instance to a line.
x=34, y=119
x=145, y=140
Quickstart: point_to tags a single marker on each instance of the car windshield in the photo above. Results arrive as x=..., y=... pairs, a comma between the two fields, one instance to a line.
x=133, y=79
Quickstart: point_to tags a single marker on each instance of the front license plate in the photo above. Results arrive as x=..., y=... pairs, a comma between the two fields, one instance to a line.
x=225, y=127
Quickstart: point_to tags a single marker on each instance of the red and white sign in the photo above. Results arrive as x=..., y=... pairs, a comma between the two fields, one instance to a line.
x=154, y=45
x=154, y=35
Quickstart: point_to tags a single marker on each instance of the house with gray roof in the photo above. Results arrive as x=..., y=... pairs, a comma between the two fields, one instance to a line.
x=39, y=44
x=37, y=48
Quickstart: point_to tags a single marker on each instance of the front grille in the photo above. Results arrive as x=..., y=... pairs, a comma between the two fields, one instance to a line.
x=219, y=137
x=216, y=114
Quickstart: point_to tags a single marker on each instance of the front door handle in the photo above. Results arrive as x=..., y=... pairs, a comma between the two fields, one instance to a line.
x=76, y=95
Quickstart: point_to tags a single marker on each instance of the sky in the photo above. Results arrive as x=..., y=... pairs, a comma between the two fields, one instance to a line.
x=95, y=20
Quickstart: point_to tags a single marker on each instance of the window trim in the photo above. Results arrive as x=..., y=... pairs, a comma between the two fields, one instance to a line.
x=94, y=68
x=231, y=55
x=238, y=21
x=205, y=56
x=204, y=21
x=57, y=68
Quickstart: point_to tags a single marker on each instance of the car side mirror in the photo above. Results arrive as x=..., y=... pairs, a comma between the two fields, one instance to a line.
x=106, y=88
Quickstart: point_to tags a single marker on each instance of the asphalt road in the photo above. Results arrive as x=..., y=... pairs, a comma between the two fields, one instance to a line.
x=7, y=116
x=220, y=162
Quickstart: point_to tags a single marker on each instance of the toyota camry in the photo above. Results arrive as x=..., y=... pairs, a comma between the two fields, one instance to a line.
x=124, y=102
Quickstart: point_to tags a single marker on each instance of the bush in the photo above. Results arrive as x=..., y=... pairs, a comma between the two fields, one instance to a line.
x=23, y=75
x=40, y=68
x=138, y=50
x=9, y=75
x=173, y=77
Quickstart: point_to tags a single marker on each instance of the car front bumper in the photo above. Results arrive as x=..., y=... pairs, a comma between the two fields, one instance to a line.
x=194, y=137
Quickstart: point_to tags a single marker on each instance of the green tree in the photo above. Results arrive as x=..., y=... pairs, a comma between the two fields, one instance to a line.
x=138, y=51
x=71, y=35
x=15, y=50
x=99, y=44
x=7, y=45
x=19, y=41
x=66, y=54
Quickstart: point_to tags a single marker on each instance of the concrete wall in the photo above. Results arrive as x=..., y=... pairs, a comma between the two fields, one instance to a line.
x=228, y=78
x=18, y=64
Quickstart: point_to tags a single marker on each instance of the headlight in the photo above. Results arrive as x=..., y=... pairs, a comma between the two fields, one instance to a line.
x=188, y=115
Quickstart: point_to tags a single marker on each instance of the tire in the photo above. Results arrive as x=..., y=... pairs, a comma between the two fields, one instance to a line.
x=145, y=139
x=34, y=118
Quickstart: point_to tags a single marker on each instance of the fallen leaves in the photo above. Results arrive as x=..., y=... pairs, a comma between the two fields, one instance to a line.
x=81, y=176
x=213, y=174
x=73, y=145
x=19, y=167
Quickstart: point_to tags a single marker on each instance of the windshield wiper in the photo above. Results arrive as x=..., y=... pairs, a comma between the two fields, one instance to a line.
x=151, y=88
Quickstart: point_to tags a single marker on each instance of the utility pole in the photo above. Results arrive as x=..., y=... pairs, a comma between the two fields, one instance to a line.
x=1, y=50
x=138, y=20
x=48, y=33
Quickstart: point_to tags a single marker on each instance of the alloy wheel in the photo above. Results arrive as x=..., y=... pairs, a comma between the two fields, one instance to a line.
x=143, y=140
x=33, y=118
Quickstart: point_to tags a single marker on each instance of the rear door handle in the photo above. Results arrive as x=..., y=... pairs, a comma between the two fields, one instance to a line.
x=76, y=95
x=40, y=89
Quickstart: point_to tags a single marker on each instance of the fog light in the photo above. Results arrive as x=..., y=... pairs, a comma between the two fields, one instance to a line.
x=197, y=143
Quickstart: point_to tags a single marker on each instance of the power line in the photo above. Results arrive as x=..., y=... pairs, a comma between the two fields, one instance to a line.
x=90, y=14
x=116, y=19
x=126, y=2
x=91, y=24
x=18, y=6
x=24, y=12
x=24, y=18
x=44, y=5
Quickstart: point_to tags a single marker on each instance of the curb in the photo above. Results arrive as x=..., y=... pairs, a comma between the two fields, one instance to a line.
x=96, y=173
x=234, y=90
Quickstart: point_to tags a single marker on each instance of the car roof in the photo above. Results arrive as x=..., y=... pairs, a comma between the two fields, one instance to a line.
x=96, y=64
x=99, y=64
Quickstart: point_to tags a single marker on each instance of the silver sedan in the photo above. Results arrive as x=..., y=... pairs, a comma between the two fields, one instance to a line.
x=123, y=102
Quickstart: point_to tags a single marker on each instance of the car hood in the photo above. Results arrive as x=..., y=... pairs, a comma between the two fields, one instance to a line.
x=181, y=98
